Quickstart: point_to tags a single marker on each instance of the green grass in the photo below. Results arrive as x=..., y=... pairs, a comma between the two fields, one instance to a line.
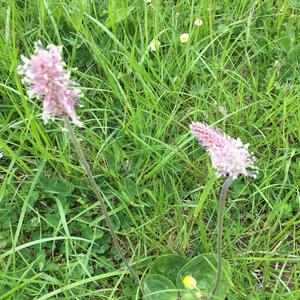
x=239, y=72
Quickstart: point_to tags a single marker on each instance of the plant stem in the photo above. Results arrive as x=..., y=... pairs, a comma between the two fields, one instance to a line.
x=99, y=197
x=223, y=195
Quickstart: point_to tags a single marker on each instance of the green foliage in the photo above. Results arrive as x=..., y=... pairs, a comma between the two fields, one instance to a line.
x=118, y=12
x=159, y=287
x=202, y=268
x=289, y=45
x=239, y=71
x=168, y=266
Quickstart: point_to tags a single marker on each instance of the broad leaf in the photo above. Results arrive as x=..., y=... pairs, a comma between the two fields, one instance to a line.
x=168, y=266
x=294, y=54
x=118, y=15
x=204, y=269
x=158, y=287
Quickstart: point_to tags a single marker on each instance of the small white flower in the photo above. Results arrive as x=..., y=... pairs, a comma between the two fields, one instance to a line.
x=154, y=45
x=184, y=38
x=276, y=63
x=223, y=110
x=147, y=1
x=198, y=22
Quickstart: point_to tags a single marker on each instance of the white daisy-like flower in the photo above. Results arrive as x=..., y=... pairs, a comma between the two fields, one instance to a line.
x=184, y=38
x=198, y=22
x=154, y=45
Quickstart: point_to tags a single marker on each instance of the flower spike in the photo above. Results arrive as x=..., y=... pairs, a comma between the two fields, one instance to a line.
x=45, y=75
x=230, y=157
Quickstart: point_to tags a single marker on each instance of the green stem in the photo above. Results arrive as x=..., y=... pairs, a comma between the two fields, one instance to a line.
x=223, y=195
x=99, y=197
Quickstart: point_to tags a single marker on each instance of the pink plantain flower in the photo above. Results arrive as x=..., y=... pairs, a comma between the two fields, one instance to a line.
x=45, y=75
x=229, y=157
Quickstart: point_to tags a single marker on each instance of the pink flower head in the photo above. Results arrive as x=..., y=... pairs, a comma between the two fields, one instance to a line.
x=45, y=75
x=229, y=157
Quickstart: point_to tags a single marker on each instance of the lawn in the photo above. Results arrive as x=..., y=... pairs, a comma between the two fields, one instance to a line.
x=142, y=86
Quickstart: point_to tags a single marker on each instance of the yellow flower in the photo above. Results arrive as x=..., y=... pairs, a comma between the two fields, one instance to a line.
x=154, y=45
x=198, y=22
x=189, y=282
x=184, y=38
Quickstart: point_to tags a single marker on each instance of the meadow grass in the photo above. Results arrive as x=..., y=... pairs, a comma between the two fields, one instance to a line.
x=239, y=71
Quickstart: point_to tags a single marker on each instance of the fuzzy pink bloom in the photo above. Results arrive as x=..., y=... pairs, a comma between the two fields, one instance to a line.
x=229, y=157
x=45, y=75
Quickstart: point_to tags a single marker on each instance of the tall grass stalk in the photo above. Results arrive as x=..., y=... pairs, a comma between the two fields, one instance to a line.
x=97, y=192
x=224, y=191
